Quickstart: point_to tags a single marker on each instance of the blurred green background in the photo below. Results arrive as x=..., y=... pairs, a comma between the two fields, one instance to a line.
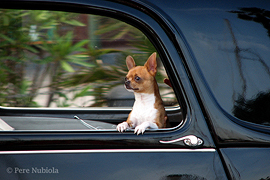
x=62, y=59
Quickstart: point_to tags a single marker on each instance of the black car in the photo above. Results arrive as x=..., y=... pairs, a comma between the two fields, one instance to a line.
x=61, y=89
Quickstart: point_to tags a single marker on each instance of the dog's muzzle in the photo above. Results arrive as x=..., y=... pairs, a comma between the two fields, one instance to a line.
x=128, y=85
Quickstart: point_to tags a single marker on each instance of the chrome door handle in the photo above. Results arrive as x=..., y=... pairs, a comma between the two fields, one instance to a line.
x=189, y=140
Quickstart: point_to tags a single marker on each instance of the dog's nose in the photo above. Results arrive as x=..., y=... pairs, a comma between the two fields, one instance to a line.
x=127, y=82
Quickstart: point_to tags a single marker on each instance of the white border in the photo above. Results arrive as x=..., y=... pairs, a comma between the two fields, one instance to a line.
x=107, y=151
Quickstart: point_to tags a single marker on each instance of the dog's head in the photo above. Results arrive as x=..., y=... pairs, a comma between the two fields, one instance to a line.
x=141, y=79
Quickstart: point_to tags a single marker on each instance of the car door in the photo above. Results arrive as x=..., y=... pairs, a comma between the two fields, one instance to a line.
x=229, y=60
x=49, y=143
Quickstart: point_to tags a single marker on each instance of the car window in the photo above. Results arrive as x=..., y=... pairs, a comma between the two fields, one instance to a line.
x=252, y=102
x=54, y=59
x=236, y=65
x=61, y=59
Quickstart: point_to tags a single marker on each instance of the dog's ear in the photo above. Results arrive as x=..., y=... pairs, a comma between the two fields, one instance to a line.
x=151, y=64
x=130, y=62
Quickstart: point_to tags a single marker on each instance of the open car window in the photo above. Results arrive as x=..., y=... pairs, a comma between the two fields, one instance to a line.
x=53, y=59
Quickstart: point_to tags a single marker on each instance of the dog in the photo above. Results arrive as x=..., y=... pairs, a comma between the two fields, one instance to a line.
x=148, y=110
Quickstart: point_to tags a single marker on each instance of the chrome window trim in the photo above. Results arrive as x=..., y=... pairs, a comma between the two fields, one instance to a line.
x=109, y=151
x=168, y=108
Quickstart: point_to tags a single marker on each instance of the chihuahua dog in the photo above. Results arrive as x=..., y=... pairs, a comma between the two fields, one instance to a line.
x=148, y=110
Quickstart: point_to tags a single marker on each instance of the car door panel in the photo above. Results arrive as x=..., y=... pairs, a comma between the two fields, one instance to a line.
x=113, y=164
x=247, y=163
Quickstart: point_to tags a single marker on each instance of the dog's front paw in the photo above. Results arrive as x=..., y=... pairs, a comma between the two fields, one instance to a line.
x=122, y=127
x=140, y=129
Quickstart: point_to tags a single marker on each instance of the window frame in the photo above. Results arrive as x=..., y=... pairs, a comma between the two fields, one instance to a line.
x=130, y=17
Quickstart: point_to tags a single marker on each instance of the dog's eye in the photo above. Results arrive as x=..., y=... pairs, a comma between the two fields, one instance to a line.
x=137, y=78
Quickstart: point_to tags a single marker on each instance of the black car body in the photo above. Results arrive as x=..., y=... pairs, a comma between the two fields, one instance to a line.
x=215, y=55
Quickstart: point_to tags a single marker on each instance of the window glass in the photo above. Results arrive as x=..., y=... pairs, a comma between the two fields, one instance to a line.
x=61, y=59
x=232, y=48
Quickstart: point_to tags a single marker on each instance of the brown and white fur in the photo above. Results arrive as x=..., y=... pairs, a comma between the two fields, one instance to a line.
x=148, y=110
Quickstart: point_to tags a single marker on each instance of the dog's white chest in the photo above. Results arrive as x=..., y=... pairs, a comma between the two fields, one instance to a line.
x=143, y=109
